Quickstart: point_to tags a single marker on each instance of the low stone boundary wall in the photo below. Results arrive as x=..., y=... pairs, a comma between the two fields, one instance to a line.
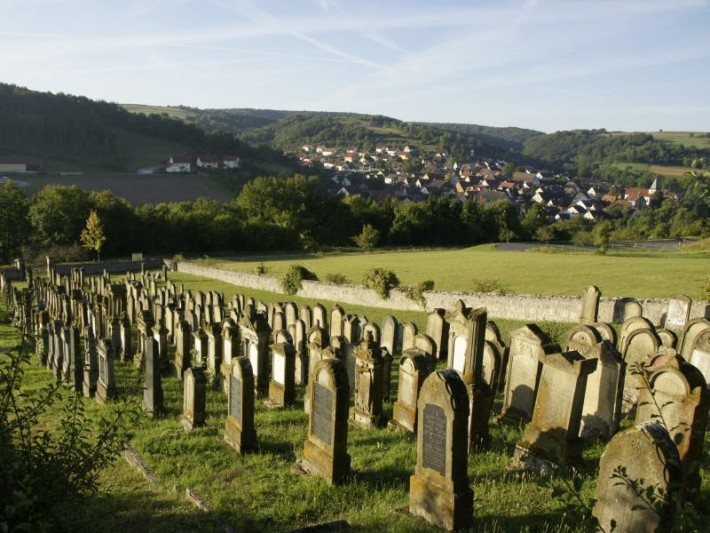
x=526, y=307
x=109, y=266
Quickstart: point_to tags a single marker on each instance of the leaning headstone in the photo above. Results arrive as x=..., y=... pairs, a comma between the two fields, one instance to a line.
x=678, y=312
x=439, y=490
x=194, y=398
x=551, y=438
x=239, y=431
x=636, y=463
x=590, y=305
x=641, y=346
x=105, y=385
x=153, y=387
x=527, y=345
x=282, y=389
x=438, y=329
x=368, y=411
x=414, y=367
x=676, y=395
x=325, y=452
x=693, y=330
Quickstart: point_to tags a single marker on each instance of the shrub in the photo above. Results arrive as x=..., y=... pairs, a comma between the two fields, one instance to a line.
x=381, y=281
x=492, y=286
x=291, y=280
x=368, y=237
x=336, y=279
x=417, y=293
x=44, y=471
x=261, y=269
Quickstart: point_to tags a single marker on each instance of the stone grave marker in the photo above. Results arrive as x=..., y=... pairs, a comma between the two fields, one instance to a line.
x=337, y=315
x=306, y=314
x=255, y=334
x=230, y=349
x=194, y=398
x=214, y=348
x=126, y=338
x=320, y=317
x=409, y=331
x=527, y=345
x=91, y=363
x=199, y=347
x=644, y=454
x=678, y=312
x=641, y=346
x=282, y=390
x=369, y=386
x=153, y=387
x=105, y=385
x=439, y=490
x=239, y=430
x=693, y=330
x=700, y=357
x=389, y=333
x=676, y=396
x=302, y=362
x=325, y=452
x=601, y=411
x=551, y=437
x=590, y=305
x=183, y=348
x=667, y=337
x=438, y=329
x=415, y=366
x=606, y=332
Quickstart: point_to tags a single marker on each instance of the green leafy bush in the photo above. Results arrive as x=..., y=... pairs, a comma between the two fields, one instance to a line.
x=492, y=286
x=416, y=293
x=336, y=279
x=291, y=280
x=261, y=269
x=381, y=281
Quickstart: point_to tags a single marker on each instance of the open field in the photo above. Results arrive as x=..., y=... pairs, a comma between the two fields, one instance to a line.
x=136, y=189
x=652, y=275
x=668, y=171
x=692, y=139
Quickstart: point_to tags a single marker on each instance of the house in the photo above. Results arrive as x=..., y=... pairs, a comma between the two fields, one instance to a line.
x=179, y=164
x=230, y=161
x=207, y=161
x=21, y=164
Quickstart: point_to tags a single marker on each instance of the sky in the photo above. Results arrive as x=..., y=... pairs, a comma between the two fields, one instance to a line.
x=547, y=65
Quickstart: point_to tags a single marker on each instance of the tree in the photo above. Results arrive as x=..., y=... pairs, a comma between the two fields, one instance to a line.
x=14, y=223
x=92, y=236
x=58, y=213
x=602, y=235
x=368, y=237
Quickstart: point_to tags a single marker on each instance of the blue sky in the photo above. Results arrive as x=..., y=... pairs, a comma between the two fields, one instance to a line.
x=630, y=65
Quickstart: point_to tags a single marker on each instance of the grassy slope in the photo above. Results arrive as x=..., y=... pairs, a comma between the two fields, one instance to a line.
x=655, y=275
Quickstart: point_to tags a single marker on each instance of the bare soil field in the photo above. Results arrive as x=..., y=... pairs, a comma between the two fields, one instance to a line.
x=135, y=188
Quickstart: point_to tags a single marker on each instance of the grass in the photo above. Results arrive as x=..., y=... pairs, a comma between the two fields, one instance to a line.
x=690, y=139
x=652, y=275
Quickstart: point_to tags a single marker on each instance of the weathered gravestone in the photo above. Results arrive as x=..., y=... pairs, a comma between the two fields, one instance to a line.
x=693, y=330
x=590, y=305
x=700, y=356
x=389, y=333
x=91, y=363
x=629, y=326
x=551, y=438
x=300, y=370
x=194, y=398
x=230, y=349
x=199, y=346
x=494, y=340
x=337, y=315
x=601, y=411
x=409, y=331
x=126, y=338
x=369, y=386
x=639, y=474
x=467, y=330
x=239, y=430
x=282, y=389
x=641, y=345
x=105, y=385
x=183, y=347
x=320, y=317
x=667, y=337
x=255, y=333
x=415, y=366
x=325, y=452
x=678, y=312
x=438, y=329
x=152, y=387
x=675, y=395
x=214, y=349
x=439, y=490
x=527, y=345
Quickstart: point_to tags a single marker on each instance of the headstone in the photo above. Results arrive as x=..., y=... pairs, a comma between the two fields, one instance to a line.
x=299, y=343
x=255, y=334
x=527, y=345
x=368, y=410
x=194, y=398
x=91, y=363
x=676, y=396
x=409, y=331
x=214, y=348
x=638, y=462
x=325, y=452
x=389, y=333
x=305, y=314
x=700, y=357
x=183, y=348
x=282, y=389
x=641, y=346
x=230, y=349
x=105, y=385
x=320, y=317
x=590, y=305
x=239, y=431
x=629, y=326
x=153, y=387
x=606, y=332
x=678, y=312
x=551, y=438
x=337, y=315
x=415, y=366
x=601, y=411
x=126, y=338
x=439, y=490
x=668, y=338
x=693, y=330
x=438, y=329
x=581, y=337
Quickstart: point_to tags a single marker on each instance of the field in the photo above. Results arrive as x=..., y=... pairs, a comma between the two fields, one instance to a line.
x=637, y=273
x=690, y=139
x=135, y=188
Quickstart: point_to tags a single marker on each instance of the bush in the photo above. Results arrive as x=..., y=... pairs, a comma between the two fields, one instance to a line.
x=381, y=281
x=261, y=269
x=417, y=293
x=336, y=279
x=492, y=286
x=291, y=280
x=44, y=471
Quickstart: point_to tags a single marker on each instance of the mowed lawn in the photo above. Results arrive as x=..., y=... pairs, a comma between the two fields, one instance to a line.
x=653, y=275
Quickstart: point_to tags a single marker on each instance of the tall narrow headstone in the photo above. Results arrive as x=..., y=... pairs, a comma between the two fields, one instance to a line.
x=678, y=312
x=91, y=363
x=282, y=389
x=239, y=430
x=389, y=333
x=414, y=367
x=255, y=333
x=153, y=386
x=194, y=398
x=438, y=329
x=439, y=490
x=325, y=452
x=590, y=305
x=368, y=410
x=105, y=385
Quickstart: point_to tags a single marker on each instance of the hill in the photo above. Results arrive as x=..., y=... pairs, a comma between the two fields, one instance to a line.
x=75, y=133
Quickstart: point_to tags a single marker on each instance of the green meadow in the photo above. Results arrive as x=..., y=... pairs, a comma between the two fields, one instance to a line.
x=638, y=273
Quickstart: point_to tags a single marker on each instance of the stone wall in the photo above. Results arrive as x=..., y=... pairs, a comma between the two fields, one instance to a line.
x=109, y=266
x=526, y=307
